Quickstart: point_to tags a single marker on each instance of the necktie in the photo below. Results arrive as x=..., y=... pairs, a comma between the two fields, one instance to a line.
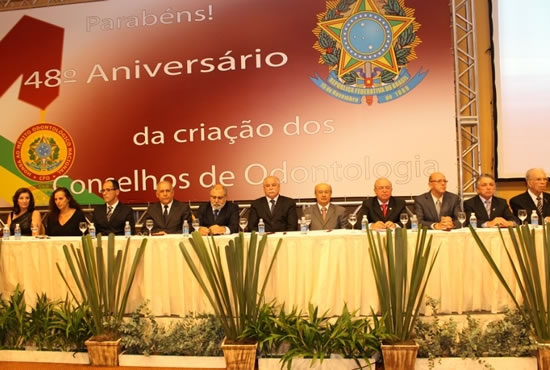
x=109, y=212
x=324, y=213
x=165, y=213
x=272, y=201
x=216, y=213
x=539, y=206
x=438, y=207
x=488, y=207
x=384, y=209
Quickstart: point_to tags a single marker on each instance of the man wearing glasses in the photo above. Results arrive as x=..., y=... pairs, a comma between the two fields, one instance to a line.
x=438, y=209
x=218, y=217
x=111, y=217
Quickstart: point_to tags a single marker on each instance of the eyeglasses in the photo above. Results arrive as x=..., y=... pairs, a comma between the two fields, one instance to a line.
x=106, y=190
x=215, y=197
x=440, y=181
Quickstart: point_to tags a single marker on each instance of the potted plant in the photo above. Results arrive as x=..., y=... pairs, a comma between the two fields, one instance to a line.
x=531, y=275
x=103, y=284
x=231, y=283
x=400, y=287
x=315, y=338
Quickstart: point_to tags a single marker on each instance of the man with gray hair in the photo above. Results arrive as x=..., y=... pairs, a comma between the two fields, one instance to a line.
x=218, y=217
x=490, y=210
x=535, y=197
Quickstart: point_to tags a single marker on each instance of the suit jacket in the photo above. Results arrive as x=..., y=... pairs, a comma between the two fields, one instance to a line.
x=228, y=216
x=371, y=208
x=499, y=208
x=524, y=201
x=174, y=222
x=336, y=217
x=284, y=217
x=425, y=208
x=116, y=223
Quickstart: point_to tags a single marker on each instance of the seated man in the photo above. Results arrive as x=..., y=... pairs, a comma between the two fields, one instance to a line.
x=490, y=210
x=324, y=214
x=437, y=209
x=384, y=210
x=111, y=217
x=277, y=211
x=535, y=197
x=218, y=217
x=167, y=214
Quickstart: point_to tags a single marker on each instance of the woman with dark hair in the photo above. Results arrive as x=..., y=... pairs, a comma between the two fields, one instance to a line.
x=64, y=215
x=24, y=214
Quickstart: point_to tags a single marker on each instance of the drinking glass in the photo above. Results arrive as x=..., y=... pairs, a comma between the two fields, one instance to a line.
x=196, y=224
x=149, y=225
x=352, y=219
x=243, y=222
x=461, y=218
x=404, y=218
x=83, y=226
x=522, y=215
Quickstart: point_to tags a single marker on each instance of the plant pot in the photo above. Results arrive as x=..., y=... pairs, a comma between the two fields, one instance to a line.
x=239, y=356
x=399, y=356
x=543, y=357
x=104, y=353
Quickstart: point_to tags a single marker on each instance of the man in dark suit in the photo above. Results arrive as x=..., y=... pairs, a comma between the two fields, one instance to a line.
x=277, y=211
x=384, y=210
x=324, y=214
x=218, y=217
x=437, y=209
x=111, y=217
x=167, y=214
x=535, y=197
x=490, y=211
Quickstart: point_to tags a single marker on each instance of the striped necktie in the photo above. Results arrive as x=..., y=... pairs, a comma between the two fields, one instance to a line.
x=539, y=206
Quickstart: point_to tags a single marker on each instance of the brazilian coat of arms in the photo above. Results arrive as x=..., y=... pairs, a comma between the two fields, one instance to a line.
x=367, y=50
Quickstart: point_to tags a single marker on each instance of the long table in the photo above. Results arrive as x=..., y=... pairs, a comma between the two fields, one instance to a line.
x=328, y=269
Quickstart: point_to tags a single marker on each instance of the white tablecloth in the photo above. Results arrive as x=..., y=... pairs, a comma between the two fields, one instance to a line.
x=328, y=269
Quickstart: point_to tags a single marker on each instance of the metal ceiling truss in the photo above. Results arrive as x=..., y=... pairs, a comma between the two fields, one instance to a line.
x=466, y=95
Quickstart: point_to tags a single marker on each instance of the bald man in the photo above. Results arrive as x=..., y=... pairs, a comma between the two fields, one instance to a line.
x=437, y=209
x=535, y=197
x=383, y=210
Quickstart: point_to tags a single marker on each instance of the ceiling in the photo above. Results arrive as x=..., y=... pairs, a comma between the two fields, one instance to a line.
x=6, y=5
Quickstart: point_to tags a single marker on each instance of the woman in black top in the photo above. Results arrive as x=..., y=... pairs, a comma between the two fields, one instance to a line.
x=65, y=214
x=24, y=214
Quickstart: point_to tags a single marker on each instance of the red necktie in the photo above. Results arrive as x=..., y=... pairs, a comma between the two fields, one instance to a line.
x=384, y=209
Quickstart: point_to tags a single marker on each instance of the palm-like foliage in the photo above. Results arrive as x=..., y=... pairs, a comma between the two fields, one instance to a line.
x=231, y=281
x=100, y=276
x=534, y=284
x=400, y=287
